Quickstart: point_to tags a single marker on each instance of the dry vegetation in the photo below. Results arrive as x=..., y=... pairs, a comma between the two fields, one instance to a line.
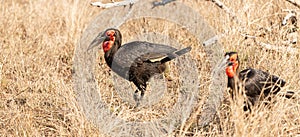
x=37, y=43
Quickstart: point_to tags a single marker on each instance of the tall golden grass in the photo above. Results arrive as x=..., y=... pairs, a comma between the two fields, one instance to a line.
x=37, y=41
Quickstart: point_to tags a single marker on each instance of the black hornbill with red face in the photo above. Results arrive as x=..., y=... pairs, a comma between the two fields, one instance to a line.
x=136, y=61
x=257, y=84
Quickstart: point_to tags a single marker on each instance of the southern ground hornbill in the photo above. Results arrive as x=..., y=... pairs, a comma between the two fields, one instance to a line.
x=135, y=61
x=257, y=84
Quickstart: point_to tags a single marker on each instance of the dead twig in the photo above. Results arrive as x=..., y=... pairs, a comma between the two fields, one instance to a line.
x=161, y=3
x=114, y=4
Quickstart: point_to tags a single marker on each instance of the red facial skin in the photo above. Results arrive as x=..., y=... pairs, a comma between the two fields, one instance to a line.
x=108, y=44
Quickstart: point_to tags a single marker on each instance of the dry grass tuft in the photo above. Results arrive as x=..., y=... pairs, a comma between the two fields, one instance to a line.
x=37, y=41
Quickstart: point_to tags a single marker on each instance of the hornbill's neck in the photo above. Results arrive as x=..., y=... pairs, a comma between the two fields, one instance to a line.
x=109, y=55
x=233, y=83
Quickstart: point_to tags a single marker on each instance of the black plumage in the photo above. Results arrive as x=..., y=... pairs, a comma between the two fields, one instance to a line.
x=256, y=84
x=136, y=61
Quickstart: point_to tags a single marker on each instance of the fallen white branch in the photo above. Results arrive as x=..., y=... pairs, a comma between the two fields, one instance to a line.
x=212, y=40
x=114, y=4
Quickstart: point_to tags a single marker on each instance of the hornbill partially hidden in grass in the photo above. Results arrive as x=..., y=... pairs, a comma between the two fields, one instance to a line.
x=136, y=61
x=257, y=84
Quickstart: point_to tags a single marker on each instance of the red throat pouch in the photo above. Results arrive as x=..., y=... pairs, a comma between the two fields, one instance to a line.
x=230, y=71
x=107, y=45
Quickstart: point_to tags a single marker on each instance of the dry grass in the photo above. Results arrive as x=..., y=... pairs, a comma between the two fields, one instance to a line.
x=37, y=42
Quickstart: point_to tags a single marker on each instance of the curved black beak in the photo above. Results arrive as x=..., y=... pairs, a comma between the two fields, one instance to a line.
x=99, y=39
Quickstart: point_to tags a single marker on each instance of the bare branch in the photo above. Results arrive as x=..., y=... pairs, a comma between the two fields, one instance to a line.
x=161, y=3
x=114, y=4
x=295, y=2
x=212, y=40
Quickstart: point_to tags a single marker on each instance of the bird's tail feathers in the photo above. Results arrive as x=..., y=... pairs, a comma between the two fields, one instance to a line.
x=176, y=54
